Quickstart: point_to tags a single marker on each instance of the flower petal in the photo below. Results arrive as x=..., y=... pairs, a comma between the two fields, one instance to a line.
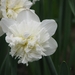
x=53, y=46
x=50, y=25
x=28, y=4
x=1, y=31
x=0, y=12
x=5, y=23
x=27, y=15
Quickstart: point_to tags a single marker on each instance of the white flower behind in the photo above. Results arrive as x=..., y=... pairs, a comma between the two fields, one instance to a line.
x=11, y=8
x=29, y=38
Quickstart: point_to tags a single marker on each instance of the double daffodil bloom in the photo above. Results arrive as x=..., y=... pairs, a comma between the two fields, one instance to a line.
x=29, y=38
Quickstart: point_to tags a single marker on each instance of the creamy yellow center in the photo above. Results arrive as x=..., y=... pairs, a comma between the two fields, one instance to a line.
x=12, y=10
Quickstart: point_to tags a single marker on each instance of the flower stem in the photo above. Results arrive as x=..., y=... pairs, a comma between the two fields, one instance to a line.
x=51, y=66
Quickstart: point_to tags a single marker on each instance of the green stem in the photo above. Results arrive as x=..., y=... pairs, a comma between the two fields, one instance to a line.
x=51, y=66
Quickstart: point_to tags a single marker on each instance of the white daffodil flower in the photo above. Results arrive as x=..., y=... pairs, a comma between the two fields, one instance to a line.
x=29, y=38
x=11, y=8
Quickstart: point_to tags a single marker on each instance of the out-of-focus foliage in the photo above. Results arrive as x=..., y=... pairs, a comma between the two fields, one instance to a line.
x=72, y=6
x=63, y=11
x=64, y=69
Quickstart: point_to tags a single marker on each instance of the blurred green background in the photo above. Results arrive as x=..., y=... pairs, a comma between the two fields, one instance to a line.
x=62, y=62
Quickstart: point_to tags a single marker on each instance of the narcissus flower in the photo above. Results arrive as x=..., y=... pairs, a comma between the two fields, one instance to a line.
x=11, y=8
x=29, y=38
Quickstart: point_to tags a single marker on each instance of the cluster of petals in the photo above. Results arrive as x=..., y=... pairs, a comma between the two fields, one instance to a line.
x=29, y=38
x=11, y=8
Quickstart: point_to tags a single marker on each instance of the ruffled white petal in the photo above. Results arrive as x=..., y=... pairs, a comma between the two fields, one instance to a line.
x=50, y=25
x=27, y=15
x=28, y=4
x=52, y=47
x=5, y=23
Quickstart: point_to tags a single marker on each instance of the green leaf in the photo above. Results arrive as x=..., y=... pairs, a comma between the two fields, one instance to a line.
x=3, y=65
x=72, y=6
x=35, y=68
x=57, y=54
x=9, y=66
x=72, y=57
x=45, y=68
x=66, y=28
x=51, y=66
x=3, y=49
x=64, y=69
x=38, y=68
x=46, y=8
x=13, y=65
